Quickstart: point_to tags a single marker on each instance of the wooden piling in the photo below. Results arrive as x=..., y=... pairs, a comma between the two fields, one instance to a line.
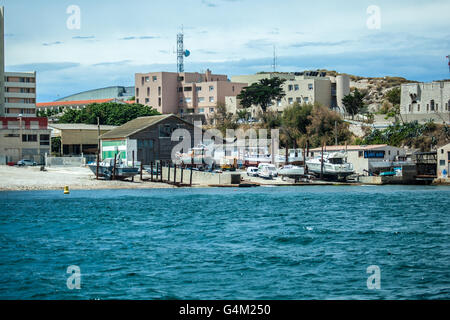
x=151, y=171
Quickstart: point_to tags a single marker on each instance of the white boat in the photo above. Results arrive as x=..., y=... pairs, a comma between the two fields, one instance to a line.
x=267, y=171
x=335, y=166
x=291, y=171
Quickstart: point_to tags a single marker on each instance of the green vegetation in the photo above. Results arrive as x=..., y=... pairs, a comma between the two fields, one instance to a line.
x=262, y=93
x=412, y=134
x=354, y=103
x=115, y=114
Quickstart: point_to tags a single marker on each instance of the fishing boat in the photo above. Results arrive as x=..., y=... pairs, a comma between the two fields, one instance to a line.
x=106, y=168
x=335, y=166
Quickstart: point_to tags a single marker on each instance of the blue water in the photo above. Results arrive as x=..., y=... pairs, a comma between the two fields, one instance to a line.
x=261, y=243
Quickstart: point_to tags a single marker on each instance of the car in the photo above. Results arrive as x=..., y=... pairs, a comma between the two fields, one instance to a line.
x=26, y=162
x=252, y=171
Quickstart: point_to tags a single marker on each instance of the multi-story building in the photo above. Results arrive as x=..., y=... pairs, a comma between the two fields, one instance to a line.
x=184, y=93
x=425, y=101
x=20, y=94
x=309, y=87
x=22, y=134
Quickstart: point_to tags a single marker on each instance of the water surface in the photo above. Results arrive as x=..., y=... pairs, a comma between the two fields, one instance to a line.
x=262, y=243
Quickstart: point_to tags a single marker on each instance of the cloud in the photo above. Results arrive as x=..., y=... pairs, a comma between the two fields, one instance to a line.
x=43, y=67
x=139, y=38
x=48, y=44
x=115, y=63
x=320, y=44
x=84, y=37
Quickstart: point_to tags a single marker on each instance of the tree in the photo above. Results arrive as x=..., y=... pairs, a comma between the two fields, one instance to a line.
x=354, y=103
x=115, y=114
x=325, y=126
x=223, y=119
x=394, y=98
x=243, y=114
x=262, y=93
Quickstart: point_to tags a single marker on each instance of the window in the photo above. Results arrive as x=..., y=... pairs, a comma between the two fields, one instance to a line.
x=29, y=137
x=188, y=100
x=410, y=109
x=211, y=109
x=159, y=102
x=147, y=100
x=187, y=89
x=12, y=135
x=279, y=103
x=137, y=91
x=296, y=88
x=432, y=105
x=155, y=78
x=201, y=99
x=360, y=154
x=180, y=78
x=181, y=100
x=299, y=100
x=137, y=101
x=198, y=89
x=180, y=89
x=211, y=99
x=310, y=86
x=418, y=107
x=44, y=140
x=159, y=91
x=181, y=111
x=165, y=131
x=442, y=163
x=147, y=79
x=148, y=92
x=306, y=100
x=290, y=87
x=211, y=88
x=232, y=88
x=201, y=110
x=290, y=100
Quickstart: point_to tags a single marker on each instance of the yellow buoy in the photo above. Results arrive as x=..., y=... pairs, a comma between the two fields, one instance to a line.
x=66, y=190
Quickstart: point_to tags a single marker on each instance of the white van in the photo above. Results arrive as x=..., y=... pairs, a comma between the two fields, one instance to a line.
x=267, y=171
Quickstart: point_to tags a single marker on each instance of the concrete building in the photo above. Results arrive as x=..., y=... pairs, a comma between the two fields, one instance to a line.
x=369, y=158
x=22, y=134
x=78, y=138
x=20, y=94
x=443, y=162
x=2, y=62
x=115, y=92
x=148, y=138
x=425, y=101
x=24, y=138
x=307, y=87
x=184, y=93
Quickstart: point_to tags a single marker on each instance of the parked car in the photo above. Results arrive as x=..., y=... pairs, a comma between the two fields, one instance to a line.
x=252, y=171
x=26, y=162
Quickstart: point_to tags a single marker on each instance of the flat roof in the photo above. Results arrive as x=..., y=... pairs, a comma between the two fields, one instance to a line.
x=351, y=148
x=79, y=126
x=78, y=102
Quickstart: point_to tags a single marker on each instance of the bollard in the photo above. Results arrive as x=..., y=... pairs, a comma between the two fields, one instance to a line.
x=66, y=190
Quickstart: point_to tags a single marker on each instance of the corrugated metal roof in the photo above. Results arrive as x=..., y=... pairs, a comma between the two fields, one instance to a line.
x=137, y=125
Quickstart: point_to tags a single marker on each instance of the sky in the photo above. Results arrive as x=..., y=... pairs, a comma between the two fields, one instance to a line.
x=116, y=39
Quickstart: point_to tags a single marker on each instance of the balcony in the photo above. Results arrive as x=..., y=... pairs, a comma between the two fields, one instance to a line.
x=20, y=84
x=20, y=95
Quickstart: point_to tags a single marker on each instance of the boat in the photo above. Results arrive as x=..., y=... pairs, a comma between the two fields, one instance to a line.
x=106, y=168
x=267, y=171
x=291, y=171
x=335, y=166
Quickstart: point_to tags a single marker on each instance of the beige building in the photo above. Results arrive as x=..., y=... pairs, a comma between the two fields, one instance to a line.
x=443, y=162
x=300, y=88
x=425, y=101
x=368, y=158
x=184, y=93
x=78, y=138
x=20, y=94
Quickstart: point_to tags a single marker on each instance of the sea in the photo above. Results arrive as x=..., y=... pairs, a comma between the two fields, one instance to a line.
x=266, y=243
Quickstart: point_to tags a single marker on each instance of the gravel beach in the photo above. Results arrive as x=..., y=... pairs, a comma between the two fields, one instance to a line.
x=76, y=178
